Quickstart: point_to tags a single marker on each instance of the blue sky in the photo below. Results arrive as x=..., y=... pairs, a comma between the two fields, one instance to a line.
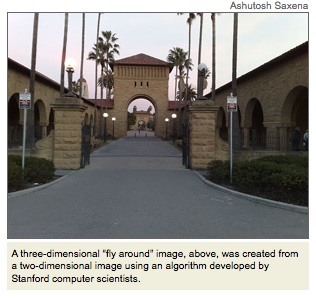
x=261, y=37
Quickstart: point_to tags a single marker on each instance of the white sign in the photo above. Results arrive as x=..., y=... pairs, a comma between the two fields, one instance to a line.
x=231, y=104
x=25, y=100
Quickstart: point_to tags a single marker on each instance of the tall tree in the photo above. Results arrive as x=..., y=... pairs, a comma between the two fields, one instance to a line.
x=108, y=82
x=192, y=93
x=178, y=58
x=82, y=51
x=236, y=129
x=189, y=21
x=213, y=15
x=95, y=82
x=30, y=135
x=200, y=37
x=103, y=52
x=111, y=48
x=63, y=57
x=98, y=55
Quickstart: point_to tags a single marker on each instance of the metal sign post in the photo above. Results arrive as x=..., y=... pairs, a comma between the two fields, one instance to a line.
x=231, y=107
x=24, y=103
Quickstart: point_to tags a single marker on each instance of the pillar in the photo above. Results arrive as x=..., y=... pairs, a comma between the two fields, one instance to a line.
x=202, y=149
x=69, y=116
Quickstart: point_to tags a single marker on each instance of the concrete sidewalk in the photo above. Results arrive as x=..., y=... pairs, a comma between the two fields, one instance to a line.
x=137, y=188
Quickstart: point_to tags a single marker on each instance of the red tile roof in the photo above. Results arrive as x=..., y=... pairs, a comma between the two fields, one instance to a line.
x=141, y=59
x=109, y=102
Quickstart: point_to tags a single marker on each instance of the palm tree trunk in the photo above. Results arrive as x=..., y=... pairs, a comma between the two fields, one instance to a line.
x=200, y=38
x=30, y=135
x=213, y=56
x=101, y=108
x=234, y=71
x=96, y=79
x=236, y=129
x=187, y=80
x=82, y=52
x=63, y=57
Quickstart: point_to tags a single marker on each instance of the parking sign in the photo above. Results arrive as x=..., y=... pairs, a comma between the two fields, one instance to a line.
x=25, y=100
x=231, y=104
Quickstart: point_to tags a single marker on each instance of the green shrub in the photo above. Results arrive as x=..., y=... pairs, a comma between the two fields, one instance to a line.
x=39, y=170
x=282, y=178
x=15, y=181
x=218, y=170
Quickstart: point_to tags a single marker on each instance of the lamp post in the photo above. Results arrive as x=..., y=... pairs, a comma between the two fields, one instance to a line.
x=105, y=115
x=113, y=120
x=70, y=65
x=166, y=120
x=174, y=116
x=201, y=77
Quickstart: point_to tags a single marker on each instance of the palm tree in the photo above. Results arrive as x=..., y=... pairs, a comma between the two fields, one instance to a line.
x=200, y=38
x=103, y=52
x=213, y=55
x=192, y=93
x=98, y=54
x=82, y=52
x=63, y=57
x=111, y=48
x=236, y=130
x=108, y=82
x=178, y=57
x=189, y=21
x=30, y=137
x=96, y=79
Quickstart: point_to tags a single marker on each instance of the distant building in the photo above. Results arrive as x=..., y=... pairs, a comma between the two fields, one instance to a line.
x=142, y=118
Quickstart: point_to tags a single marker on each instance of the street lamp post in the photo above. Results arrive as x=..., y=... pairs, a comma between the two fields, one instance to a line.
x=174, y=116
x=105, y=115
x=201, y=77
x=70, y=65
x=113, y=120
x=166, y=120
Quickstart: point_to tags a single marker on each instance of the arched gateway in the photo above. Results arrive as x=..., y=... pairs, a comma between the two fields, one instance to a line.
x=140, y=76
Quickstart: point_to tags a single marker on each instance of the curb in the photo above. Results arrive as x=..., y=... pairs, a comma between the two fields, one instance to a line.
x=252, y=198
x=36, y=188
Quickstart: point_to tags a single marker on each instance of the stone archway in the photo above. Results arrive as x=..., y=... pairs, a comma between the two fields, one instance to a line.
x=254, y=130
x=142, y=117
x=294, y=112
x=221, y=124
x=15, y=128
x=40, y=120
x=140, y=76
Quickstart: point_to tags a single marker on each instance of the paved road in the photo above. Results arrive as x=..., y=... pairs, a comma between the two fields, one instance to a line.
x=137, y=188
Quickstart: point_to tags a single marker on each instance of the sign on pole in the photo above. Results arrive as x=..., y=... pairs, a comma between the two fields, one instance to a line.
x=231, y=107
x=25, y=100
x=231, y=103
x=24, y=103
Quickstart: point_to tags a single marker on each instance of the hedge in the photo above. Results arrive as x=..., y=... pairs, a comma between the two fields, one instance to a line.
x=281, y=178
x=36, y=170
